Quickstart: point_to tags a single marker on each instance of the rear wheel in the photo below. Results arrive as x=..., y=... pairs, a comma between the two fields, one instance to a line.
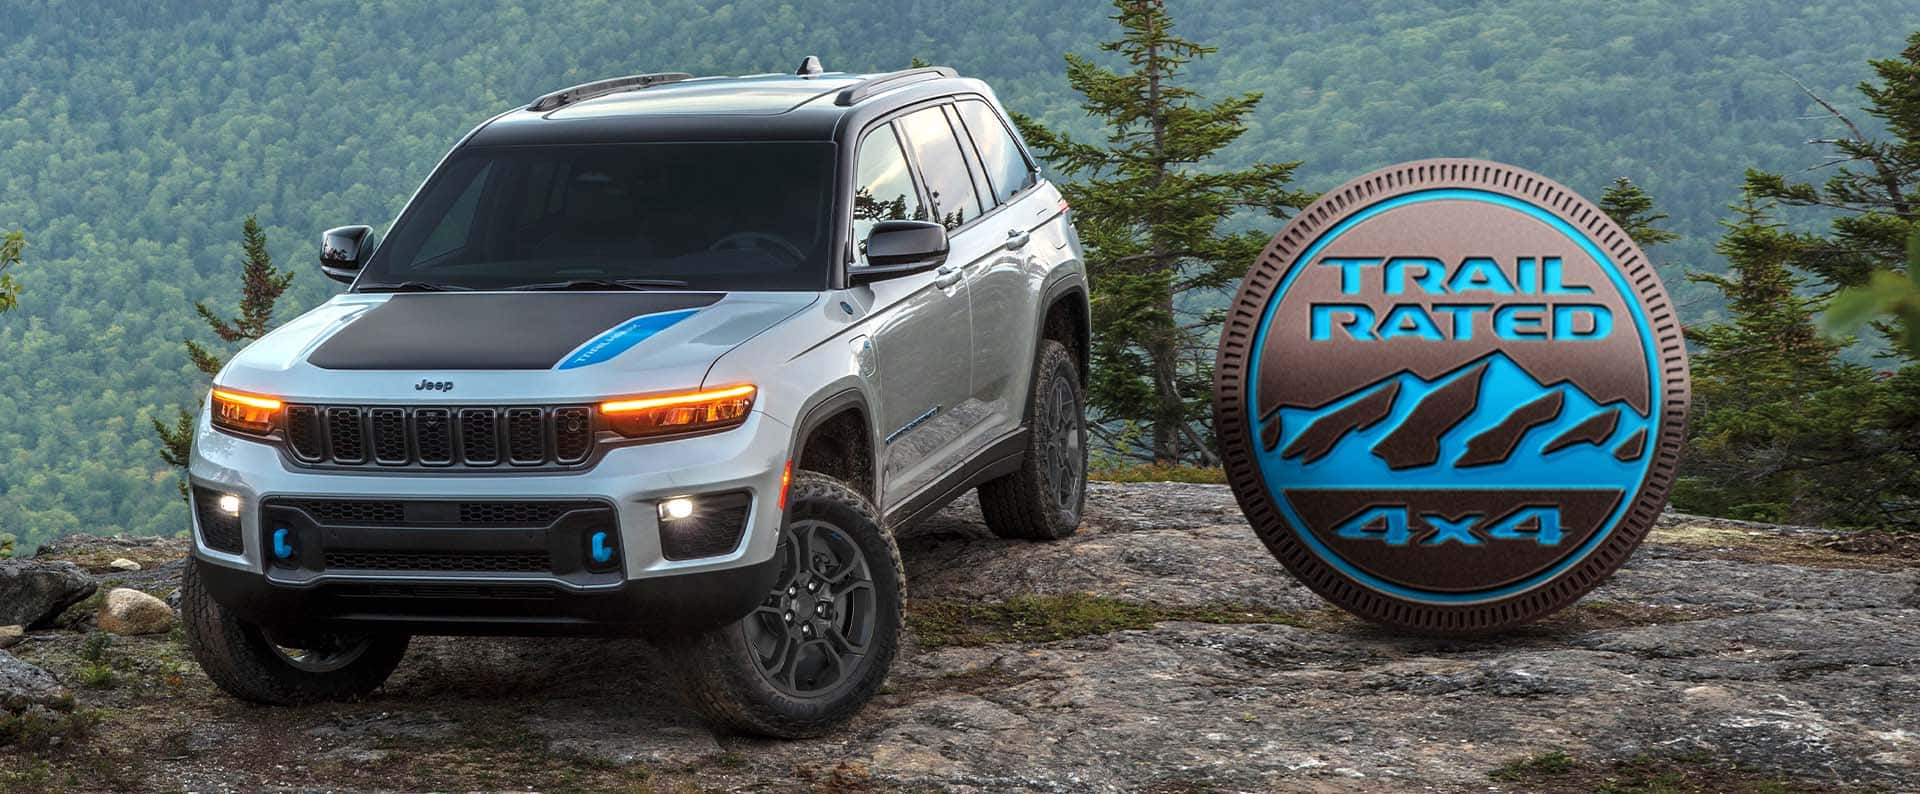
x=251, y=664
x=822, y=640
x=1043, y=500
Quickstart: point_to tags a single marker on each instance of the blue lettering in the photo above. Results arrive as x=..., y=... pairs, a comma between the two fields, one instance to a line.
x=1565, y=327
x=1391, y=521
x=1541, y=524
x=1552, y=275
x=1480, y=273
x=1460, y=531
x=1408, y=320
x=1431, y=278
x=1350, y=271
x=1462, y=314
x=1357, y=315
x=1508, y=323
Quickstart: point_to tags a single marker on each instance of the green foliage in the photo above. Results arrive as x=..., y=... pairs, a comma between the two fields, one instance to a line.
x=133, y=133
x=6, y=545
x=1784, y=428
x=1151, y=205
x=11, y=243
x=261, y=285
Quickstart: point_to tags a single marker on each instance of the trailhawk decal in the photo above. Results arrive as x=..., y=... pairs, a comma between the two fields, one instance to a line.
x=621, y=338
x=1451, y=396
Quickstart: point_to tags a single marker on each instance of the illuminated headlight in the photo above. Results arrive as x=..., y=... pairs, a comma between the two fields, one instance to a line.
x=229, y=504
x=244, y=413
x=675, y=414
x=676, y=509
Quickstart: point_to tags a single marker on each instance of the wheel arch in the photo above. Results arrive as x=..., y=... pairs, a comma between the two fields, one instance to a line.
x=835, y=437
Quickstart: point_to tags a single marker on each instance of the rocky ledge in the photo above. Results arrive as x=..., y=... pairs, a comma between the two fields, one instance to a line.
x=1161, y=649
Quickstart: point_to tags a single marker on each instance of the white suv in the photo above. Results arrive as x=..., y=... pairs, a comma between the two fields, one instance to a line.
x=657, y=355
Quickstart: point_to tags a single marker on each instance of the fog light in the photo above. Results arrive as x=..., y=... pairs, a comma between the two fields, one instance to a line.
x=676, y=509
x=229, y=504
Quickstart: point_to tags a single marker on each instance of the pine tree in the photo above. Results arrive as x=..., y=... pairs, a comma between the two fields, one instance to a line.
x=262, y=284
x=11, y=244
x=1632, y=207
x=1150, y=212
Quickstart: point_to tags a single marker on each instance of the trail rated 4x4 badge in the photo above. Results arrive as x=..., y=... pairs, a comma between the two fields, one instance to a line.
x=1451, y=395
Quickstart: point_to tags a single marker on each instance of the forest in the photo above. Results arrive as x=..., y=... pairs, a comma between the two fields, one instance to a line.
x=137, y=136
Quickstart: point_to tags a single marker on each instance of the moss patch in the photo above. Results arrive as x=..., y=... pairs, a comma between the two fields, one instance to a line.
x=943, y=622
x=1865, y=550
x=1159, y=472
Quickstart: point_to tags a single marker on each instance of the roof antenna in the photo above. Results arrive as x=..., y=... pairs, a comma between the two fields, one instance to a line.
x=809, y=66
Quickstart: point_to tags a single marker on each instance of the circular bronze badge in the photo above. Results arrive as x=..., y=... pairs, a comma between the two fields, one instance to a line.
x=1451, y=396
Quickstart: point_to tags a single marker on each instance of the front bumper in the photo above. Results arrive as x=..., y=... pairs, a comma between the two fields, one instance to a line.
x=645, y=588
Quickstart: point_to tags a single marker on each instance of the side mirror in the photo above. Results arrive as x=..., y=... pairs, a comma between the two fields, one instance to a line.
x=343, y=250
x=899, y=248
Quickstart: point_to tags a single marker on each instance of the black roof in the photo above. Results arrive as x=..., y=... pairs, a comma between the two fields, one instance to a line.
x=753, y=107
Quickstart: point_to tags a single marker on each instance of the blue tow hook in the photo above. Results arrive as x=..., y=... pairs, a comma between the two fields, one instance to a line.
x=281, y=548
x=602, y=551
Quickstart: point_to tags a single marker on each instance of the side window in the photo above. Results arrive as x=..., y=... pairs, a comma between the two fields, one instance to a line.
x=883, y=186
x=1005, y=164
x=944, y=165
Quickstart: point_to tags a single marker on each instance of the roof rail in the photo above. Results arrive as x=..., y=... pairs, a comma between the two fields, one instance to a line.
x=881, y=82
x=568, y=96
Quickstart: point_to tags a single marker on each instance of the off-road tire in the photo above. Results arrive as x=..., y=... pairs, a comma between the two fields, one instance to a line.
x=720, y=670
x=242, y=661
x=1026, y=505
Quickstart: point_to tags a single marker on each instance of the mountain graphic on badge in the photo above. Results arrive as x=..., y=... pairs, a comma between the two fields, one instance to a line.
x=1450, y=396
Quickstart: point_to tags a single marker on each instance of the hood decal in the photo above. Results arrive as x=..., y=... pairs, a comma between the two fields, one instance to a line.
x=491, y=330
x=621, y=338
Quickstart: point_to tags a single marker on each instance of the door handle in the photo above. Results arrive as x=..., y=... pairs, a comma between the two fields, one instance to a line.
x=1017, y=238
x=947, y=276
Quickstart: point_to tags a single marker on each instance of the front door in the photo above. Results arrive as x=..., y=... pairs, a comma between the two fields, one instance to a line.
x=922, y=335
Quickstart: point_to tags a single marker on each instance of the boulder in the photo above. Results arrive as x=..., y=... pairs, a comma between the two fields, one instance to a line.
x=129, y=611
x=23, y=686
x=33, y=592
x=124, y=564
x=12, y=635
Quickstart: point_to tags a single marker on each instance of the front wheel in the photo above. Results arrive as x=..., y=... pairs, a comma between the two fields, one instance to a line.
x=1043, y=500
x=251, y=664
x=822, y=640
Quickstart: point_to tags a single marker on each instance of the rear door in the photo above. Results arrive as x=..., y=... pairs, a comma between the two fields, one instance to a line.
x=1004, y=287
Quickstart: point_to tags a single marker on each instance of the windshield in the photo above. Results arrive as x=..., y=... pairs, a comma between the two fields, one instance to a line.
x=705, y=216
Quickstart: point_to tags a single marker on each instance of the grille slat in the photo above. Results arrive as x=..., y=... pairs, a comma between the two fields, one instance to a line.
x=393, y=436
x=479, y=436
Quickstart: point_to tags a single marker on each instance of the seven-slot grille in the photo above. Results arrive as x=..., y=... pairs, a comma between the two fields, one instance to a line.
x=351, y=435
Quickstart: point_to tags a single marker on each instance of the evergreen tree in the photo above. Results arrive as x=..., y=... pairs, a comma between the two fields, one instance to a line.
x=1784, y=428
x=1632, y=207
x=262, y=284
x=1150, y=212
x=11, y=244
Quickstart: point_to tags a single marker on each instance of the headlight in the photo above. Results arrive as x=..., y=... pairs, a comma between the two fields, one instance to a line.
x=674, y=414
x=244, y=413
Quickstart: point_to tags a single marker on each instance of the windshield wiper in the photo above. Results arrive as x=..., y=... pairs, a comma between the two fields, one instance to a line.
x=605, y=283
x=410, y=286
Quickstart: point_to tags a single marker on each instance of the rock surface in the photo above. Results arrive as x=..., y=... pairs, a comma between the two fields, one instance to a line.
x=23, y=686
x=11, y=635
x=1739, y=655
x=132, y=612
x=33, y=592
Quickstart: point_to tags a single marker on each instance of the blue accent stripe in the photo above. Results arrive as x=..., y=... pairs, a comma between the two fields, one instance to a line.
x=621, y=338
x=1269, y=465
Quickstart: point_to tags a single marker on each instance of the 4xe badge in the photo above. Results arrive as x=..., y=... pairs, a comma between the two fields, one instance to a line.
x=1450, y=396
